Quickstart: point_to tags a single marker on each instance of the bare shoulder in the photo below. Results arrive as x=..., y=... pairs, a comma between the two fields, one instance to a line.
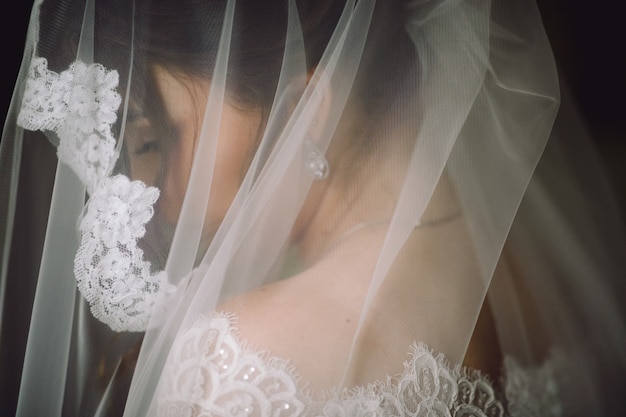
x=263, y=312
x=278, y=311
x=295, y=319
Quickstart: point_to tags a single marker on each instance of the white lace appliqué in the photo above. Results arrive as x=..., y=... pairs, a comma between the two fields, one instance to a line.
x=109, y=266
x=535, y=391
x=211, y=373
x=79, y=105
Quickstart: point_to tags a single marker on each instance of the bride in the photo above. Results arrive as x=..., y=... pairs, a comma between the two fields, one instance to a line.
x=286, y=208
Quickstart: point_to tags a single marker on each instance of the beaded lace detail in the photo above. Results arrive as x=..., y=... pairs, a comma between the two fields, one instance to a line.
x=210, y=372
x=79, y=105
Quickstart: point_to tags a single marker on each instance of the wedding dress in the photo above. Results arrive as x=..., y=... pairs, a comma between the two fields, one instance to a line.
x=233, y=378
x=303, y=208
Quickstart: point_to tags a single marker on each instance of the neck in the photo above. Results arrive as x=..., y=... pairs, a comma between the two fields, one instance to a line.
x=345, y=215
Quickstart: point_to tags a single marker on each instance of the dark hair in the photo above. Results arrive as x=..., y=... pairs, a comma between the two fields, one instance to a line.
x=183, y=35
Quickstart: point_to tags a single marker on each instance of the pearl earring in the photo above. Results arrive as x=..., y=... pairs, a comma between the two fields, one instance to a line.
x=315, y=162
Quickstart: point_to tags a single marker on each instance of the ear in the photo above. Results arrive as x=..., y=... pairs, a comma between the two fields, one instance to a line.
x=317, y=104
x=313, y=125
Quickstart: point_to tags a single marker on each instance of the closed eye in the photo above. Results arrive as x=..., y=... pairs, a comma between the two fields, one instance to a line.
x=147, y=147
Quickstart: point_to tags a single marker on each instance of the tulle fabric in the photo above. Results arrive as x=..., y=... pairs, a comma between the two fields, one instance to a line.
x=434, y=213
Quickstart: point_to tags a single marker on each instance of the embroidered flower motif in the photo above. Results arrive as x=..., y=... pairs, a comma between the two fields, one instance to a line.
x=79, y=105
x=112, y=265
x=432, y=379
x=432, y=407
x=208, y=367
x=241, y=405
x=428, y=386
x=535, y=391
x=476, y=397
x=391, y=405
x=45, y=97
x=109, y=266
x=211, y=371
x=118, y=211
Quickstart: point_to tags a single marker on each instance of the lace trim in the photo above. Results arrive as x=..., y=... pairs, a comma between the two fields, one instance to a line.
x=536, y=391
x=210, y=372
x=79, y=105
x=109, y=266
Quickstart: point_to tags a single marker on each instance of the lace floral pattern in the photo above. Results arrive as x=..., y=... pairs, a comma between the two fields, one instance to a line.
x=535, y=391
x=79, y=105
x=209, y=372
x=109, y=266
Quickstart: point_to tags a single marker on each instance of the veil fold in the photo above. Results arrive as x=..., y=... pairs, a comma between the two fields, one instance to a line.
x=346, y=181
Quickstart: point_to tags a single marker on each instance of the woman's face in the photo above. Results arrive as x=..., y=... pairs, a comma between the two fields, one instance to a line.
x=166, y=163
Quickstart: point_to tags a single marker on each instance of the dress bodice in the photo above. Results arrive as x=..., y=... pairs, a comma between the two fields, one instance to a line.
x=212, y=371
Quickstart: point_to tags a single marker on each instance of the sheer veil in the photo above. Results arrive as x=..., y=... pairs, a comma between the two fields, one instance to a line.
x=348, y=184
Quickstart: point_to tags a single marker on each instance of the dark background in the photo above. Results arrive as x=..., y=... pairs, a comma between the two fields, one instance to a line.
x=589, y=42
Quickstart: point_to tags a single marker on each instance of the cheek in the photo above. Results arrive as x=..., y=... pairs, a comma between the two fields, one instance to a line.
x=175, y=161
x=238, y=139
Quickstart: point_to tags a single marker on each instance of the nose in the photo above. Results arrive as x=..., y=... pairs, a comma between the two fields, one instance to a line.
x=174, y=176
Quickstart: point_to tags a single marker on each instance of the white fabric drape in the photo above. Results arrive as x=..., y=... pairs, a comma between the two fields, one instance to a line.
x=192, y=139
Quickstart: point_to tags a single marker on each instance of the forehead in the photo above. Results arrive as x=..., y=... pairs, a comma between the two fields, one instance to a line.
x=182, y=95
